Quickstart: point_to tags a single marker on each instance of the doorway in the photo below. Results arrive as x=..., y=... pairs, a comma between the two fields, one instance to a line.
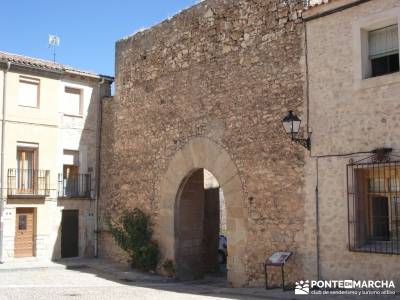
x=70, y=233
x=24, y=232
x=203, y=153
x=198, y=232
x=71, y=180
x=26, y=164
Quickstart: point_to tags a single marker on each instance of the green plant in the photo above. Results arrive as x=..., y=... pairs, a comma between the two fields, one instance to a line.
x=133, y=233
x=169, y=268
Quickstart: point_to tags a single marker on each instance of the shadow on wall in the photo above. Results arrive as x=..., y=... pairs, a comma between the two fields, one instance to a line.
x=107, y=244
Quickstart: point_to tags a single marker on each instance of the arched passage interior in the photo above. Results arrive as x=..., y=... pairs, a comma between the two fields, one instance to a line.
x=200, y=227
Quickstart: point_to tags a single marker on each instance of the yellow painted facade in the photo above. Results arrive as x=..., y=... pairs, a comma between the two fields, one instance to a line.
x=48, y=132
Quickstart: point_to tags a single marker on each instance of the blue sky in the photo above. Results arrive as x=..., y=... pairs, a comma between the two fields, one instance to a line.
x=88, y=29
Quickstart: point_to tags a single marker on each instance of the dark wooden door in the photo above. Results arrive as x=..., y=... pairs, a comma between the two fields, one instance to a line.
x=211, y=230
x=69, y=233
x=24, y=232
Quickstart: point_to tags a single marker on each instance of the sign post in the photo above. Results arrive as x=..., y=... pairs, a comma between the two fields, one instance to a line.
x=277, y=259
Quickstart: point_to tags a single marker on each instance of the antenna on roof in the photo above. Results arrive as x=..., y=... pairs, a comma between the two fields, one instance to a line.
x=54, y=41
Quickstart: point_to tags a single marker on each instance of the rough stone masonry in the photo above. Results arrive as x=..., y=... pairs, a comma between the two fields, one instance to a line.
x=219, y=76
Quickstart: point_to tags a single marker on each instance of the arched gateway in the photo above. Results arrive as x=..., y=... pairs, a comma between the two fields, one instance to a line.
x=203, y=153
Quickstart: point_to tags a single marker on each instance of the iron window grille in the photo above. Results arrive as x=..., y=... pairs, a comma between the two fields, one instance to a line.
x=373, y=190
x=74, y=185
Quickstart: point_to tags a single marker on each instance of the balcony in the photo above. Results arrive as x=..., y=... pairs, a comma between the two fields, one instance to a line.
x=28, y=182
x=74, y=186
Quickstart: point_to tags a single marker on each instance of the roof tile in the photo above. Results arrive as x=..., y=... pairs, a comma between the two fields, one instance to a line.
x=43, y=64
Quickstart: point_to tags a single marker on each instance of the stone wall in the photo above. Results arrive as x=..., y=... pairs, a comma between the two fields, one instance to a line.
x=226, y=72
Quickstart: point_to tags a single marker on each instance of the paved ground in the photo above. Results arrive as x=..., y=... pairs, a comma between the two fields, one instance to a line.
x=68, y=284
x=97, y=279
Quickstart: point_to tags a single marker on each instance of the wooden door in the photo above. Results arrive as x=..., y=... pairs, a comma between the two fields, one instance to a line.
x=24, y=233
x=211, y=230
x=69, y=233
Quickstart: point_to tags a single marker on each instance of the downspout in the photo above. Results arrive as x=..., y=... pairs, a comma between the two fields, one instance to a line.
x=317, y=221
x=3, y=133
x=98, y=148
x=317, y=225
x=307, y=79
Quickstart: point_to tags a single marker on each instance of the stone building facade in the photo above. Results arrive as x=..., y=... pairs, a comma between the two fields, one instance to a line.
x=352, y=112
x=208, y=89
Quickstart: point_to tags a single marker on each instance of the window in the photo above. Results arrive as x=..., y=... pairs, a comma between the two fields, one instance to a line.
x=72, y=184
x=25, y=171
x=71, y=171
x=374, y=207
x=22, y=222
x=28, y=91
x=384, y=50
x=72, y=104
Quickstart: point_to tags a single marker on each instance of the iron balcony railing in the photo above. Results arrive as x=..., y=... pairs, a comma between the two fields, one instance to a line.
x=28, y=182
x=74, y=185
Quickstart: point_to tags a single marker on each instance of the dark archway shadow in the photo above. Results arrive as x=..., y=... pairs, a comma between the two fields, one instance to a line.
x=198, y=245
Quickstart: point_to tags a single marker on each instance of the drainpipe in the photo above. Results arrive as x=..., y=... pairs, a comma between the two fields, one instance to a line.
x=317, y=221
x=98, y=148
x=317, y=225
x=3, y=133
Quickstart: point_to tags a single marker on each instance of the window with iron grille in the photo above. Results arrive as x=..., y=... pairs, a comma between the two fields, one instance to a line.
x=374, y=206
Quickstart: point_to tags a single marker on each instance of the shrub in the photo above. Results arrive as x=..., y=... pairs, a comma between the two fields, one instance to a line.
x=169, y=268
x=133, y=233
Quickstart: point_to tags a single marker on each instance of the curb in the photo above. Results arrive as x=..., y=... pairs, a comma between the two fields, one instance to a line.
x=18, y=269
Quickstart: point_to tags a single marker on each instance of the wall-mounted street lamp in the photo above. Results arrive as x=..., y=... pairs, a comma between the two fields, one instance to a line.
x=291, y=123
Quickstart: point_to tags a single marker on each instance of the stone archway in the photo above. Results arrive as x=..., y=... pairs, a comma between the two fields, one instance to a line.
x=203, y=153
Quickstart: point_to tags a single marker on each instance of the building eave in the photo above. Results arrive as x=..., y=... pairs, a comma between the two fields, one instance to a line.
x=29, y=63
x=328, y=8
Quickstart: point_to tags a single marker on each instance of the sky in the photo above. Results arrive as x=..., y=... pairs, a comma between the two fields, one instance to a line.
x=88, y=29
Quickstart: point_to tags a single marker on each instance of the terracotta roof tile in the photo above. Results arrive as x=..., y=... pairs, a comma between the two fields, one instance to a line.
x=44, y=64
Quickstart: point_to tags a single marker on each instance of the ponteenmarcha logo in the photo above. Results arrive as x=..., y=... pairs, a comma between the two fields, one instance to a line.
x=302, y=287
x=353, y=287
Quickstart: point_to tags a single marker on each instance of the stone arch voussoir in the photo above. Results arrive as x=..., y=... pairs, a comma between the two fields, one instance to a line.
x=203, y=153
